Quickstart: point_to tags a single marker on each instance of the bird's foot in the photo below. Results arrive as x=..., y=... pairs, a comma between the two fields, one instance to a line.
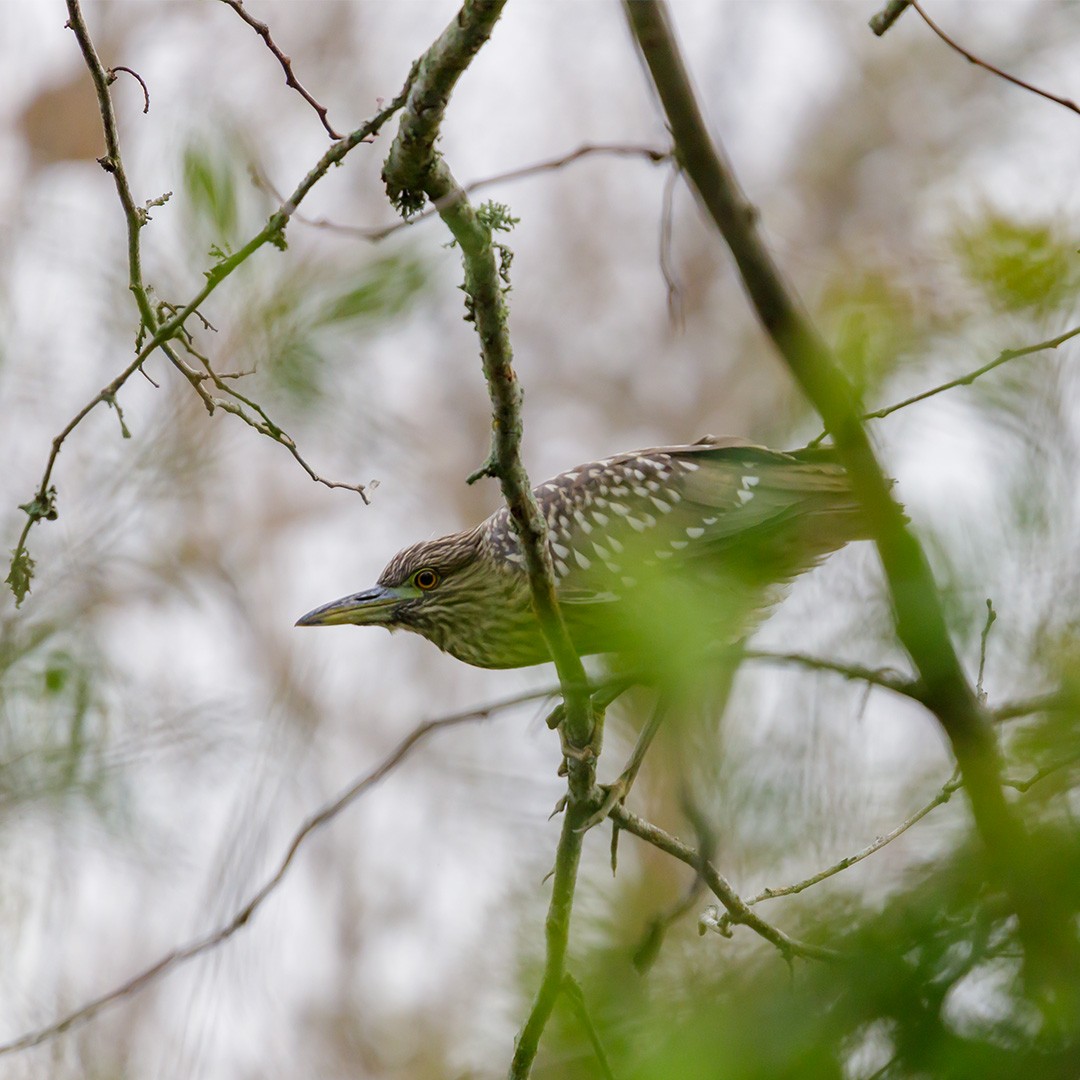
x=612, y=795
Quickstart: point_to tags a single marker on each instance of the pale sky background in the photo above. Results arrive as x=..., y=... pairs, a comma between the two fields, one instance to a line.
x=401, y=943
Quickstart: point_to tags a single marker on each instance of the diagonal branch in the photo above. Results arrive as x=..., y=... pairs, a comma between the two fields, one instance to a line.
x=918, y=610
x=738, y=911
x=291, y=80
x=243, y=916
x=971, y=58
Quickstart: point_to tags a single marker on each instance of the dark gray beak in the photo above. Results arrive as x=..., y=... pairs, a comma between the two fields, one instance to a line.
x=372, y=607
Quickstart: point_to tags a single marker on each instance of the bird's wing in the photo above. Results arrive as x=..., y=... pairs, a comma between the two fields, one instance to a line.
x=720, y=500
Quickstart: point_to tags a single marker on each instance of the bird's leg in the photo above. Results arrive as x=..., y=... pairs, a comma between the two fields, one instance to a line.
x=616, y=792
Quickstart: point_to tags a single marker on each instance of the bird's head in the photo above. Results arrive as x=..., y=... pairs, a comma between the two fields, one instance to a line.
x=452, y=592
x=423, y=577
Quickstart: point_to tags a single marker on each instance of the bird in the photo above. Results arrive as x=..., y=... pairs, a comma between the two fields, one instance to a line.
x=655, y=552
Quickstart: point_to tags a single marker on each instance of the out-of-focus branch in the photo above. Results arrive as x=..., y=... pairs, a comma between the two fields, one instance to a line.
x=647, y=153
x=181, y=955
x=575, y=995
x=883, y=677
x=920, y=620
x=738, y=911
x=973, y=59
x=43, y=505
x=883, y=19
x=263, y=31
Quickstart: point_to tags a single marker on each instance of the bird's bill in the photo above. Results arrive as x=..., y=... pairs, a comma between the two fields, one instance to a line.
x=368, y=608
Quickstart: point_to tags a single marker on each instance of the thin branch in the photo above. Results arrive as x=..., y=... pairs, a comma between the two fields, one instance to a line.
x=667, y=264
x=138, y=78
x=263, y=31
x=882, y=677
x=1065, y=700
x=649, y=153
x=943, y=796
x=991, y=618
x=738, y=910
x=42, y=506
x=966, y=380
x=261, y=421
x=882, y=20
x=181, y=955
x=575, y=995
x=1045, y=924
x=648, y=948
x=973, y=59
x=1041, y=774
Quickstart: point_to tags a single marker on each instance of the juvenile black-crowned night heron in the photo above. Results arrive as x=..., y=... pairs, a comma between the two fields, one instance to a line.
x=676, y=536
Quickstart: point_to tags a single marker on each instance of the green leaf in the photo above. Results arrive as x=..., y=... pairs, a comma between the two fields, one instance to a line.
x=20, y=574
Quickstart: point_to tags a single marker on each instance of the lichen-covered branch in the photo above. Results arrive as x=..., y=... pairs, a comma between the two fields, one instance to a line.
x=918, y=611
x=416, y=172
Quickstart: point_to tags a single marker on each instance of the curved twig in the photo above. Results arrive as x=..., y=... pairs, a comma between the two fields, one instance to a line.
x=244, y=914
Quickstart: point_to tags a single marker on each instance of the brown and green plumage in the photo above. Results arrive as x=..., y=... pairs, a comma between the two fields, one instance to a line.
x=693, y=536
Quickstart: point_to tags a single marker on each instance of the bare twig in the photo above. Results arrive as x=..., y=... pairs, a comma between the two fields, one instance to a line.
x=172, y=960
x=138, y=78
x=738, y=910
x=1041, y=774
x=667, y=265
x=263, y=31
x=973, y=59
x=966, y=380
x=261, y=422
x=883, y=677
x=43, y=505
x=991, y=618
x=1045, y=924
x=947, y=791
x=647, y=153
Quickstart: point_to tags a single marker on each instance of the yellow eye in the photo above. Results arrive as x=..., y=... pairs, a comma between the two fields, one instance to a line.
x=425, y=579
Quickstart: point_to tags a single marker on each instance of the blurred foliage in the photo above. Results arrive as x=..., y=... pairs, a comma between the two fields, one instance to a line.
x=210, y=185
x=53, y=730
x=296, y=315
x=1020, y=266
x=300, y=327
x=931, y=984
x=871, y=321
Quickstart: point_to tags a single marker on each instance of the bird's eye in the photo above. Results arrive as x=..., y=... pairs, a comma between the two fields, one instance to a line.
x=425, y=579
